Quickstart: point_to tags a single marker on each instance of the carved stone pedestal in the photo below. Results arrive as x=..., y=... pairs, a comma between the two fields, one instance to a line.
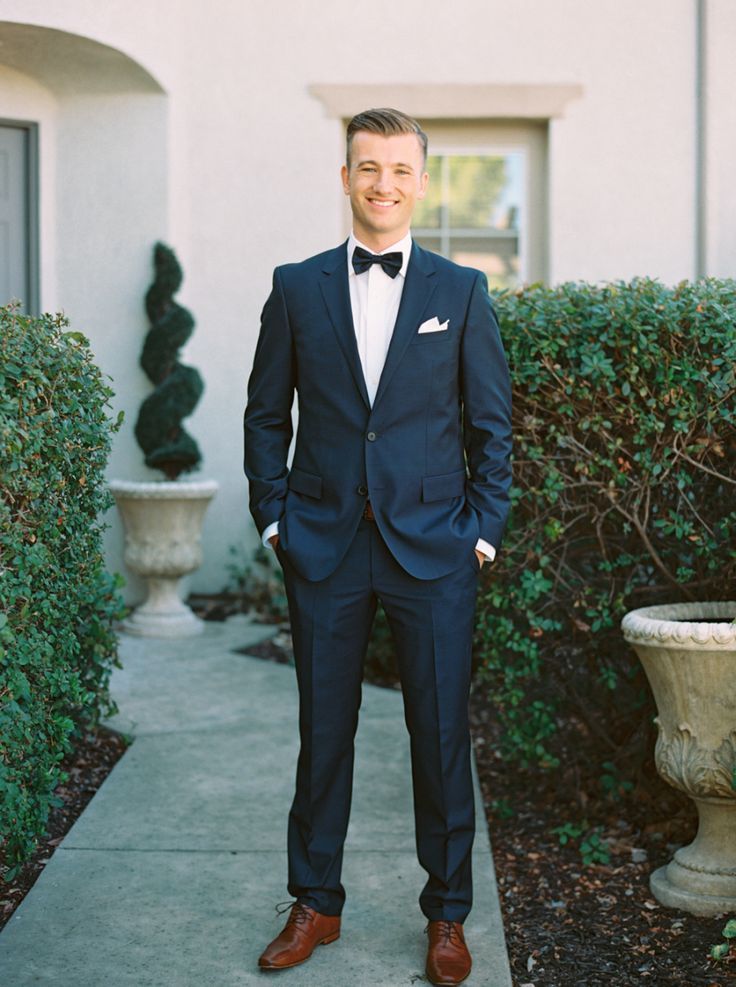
x=163, y=527
x=689, y=655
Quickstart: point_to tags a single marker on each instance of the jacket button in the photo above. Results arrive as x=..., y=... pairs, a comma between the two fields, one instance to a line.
x=371, y=436
x=363, y=490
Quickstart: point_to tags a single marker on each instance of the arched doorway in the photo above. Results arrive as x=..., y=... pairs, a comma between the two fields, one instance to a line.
x=96, y=187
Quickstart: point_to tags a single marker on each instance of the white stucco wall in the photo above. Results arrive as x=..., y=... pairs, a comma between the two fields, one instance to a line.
x=720, y=143
x=235, y=164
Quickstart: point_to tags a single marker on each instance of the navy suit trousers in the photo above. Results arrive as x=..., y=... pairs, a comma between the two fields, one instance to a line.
x=432, y=625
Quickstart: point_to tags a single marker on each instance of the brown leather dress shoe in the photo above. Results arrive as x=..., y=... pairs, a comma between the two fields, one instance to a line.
x=448, y=959
x=305, y=928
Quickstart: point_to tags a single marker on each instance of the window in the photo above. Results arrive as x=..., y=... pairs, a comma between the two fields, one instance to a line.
x=485, y=206
x=474, y=212
x=18, y=257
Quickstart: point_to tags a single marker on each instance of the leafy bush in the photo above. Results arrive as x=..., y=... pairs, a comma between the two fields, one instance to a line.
x=57, y=602
x=624, y=495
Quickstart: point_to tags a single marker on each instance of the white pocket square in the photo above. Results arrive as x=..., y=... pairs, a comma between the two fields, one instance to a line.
x=434, y=325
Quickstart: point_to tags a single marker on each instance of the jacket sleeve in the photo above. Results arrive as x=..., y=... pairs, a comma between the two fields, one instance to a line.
x=486, y=394
x=267, y=422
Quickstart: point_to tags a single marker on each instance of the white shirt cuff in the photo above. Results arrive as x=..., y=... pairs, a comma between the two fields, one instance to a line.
x=488, y=550
x=271, y=530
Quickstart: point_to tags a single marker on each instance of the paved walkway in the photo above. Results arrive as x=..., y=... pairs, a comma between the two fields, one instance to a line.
x=170, y=875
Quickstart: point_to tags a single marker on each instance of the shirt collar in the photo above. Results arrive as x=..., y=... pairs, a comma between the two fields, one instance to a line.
x=404, y=245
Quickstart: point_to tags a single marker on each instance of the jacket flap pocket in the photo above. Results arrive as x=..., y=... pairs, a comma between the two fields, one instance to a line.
x=305, y=483
x=443, y=487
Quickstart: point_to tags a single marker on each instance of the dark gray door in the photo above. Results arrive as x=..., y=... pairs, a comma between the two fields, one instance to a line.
x=17, y=206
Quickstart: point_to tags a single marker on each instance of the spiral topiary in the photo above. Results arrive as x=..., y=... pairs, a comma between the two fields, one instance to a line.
x=178, y=388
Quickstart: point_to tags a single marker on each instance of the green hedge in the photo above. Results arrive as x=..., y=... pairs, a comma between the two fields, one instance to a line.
x=57, y=603
x=624, y=495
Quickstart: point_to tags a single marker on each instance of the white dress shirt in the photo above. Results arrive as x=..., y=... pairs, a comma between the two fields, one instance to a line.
x=374, y=300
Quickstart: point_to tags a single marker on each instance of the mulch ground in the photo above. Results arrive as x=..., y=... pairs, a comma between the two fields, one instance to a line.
x=571, y=925
x=567, y=924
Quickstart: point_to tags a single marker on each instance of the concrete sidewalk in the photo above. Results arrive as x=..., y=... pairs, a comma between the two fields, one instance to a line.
x=170, y=876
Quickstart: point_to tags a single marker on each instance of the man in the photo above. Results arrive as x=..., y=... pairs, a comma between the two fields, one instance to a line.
x=398, y=492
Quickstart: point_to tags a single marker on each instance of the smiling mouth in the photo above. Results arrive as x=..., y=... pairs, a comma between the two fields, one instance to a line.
x=382, y=203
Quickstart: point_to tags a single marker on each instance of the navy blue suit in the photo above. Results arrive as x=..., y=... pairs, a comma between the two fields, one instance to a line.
x=433, y=456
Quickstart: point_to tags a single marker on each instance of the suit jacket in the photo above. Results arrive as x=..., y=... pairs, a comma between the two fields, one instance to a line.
x=432, y=454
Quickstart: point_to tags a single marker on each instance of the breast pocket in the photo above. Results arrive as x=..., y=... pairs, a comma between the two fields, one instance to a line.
x=444, y=336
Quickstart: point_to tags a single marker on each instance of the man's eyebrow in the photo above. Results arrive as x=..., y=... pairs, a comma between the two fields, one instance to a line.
x=399, y=164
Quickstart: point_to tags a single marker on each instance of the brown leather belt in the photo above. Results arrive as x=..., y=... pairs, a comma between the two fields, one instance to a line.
x=368, y=512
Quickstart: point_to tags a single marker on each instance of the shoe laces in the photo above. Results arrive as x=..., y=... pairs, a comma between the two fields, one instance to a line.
x=299, y=912
x=448, y=931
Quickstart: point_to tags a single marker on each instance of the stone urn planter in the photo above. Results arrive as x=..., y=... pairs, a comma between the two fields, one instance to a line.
x=688, y=651
x=163, y=527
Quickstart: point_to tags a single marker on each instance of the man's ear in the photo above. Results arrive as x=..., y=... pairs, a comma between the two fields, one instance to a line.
x=345, y=180
x=423, y=182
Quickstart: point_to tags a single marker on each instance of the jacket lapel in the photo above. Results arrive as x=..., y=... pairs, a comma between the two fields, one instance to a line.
x=419, y=287
x=336, y=293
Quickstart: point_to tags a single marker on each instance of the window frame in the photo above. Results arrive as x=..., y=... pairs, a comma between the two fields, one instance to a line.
x=30, y=129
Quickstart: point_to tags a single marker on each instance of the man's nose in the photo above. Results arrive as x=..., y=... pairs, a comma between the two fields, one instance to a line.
x=384, y=181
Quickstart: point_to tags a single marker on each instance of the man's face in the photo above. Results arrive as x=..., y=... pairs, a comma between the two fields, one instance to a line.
x=385, y=179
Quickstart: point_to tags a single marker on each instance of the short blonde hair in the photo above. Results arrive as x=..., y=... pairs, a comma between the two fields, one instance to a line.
x=388, y=123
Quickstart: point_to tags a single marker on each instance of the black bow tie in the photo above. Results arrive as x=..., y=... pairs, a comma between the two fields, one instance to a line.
x=391, y=263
